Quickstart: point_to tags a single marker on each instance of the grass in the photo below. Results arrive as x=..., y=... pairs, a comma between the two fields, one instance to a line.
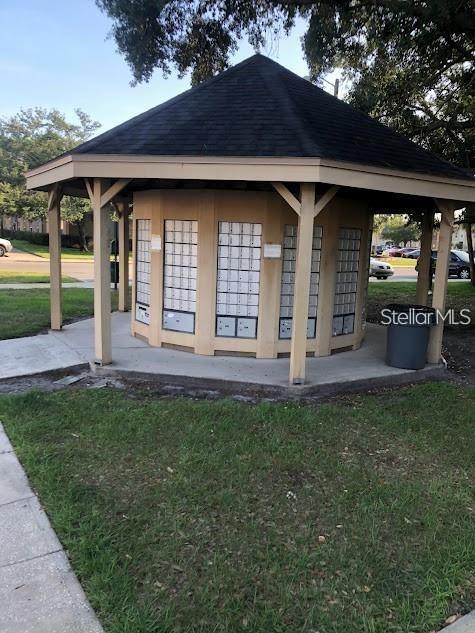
x=14, y=277
x=43, y=251
x=196, y=516
x=399, y=261
x=26, y=312
x=459, y=295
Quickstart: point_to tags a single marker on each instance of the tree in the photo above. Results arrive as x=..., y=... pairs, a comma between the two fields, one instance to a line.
x=31, y=138
x=410, y=63
x=400, y=231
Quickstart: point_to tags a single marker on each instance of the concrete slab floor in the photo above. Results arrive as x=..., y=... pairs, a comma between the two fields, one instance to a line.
x=363, y=368
x=39, y=592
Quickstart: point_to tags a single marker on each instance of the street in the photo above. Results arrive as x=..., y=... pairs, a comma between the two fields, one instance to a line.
x=19, y=261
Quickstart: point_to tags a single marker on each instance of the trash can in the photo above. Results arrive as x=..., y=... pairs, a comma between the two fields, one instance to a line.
x=114, y=272
x=408, y=333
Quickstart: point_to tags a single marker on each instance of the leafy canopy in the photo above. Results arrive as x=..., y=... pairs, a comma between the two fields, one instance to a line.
x=410, y=63
x=28, y=139
x=399, y=231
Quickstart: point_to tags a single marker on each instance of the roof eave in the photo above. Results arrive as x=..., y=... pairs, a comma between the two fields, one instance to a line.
x=240, y=168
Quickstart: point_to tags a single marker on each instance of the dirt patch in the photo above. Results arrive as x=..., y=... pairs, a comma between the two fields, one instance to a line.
x=459, y=352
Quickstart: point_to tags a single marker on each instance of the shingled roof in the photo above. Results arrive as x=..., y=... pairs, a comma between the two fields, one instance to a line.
x=258, y=108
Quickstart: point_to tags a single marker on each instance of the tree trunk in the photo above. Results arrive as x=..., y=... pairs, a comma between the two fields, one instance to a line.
x=468, y=229
x=82, y=236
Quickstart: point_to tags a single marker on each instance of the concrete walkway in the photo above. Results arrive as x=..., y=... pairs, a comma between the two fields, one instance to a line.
x=39, y=592
x=74, y=345
x=466, y=624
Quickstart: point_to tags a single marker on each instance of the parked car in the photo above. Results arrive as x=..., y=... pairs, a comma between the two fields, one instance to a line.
x=406, y=251
x=393, y=251
x=413, y=254
x=378, y=249
x=459, y=264
x=380, y=270
x=5, y=247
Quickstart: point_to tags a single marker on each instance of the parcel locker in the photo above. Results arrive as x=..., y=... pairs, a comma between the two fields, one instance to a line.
x=285, y=328
x=142, y=269
x=289, y=255
x=179, y=321
x=179, y=279
x=246, y=328
x=347, y=281
x=226, y=326
x=237, y=297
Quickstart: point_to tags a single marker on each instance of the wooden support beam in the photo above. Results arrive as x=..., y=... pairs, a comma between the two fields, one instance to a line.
x=424, y=265
x=89, y=190
x=123, y=239
x=102, y=283
x=288, y=196
x=325, y=199
x=298, y=344
x=446, y=208
x=54, y=229
x=113, y=190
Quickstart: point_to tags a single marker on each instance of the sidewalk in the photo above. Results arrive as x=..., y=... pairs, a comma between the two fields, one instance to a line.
x=38, y=590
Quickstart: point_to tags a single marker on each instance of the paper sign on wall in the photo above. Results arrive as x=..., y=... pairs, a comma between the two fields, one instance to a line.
x=273, y=251
x=156, y=244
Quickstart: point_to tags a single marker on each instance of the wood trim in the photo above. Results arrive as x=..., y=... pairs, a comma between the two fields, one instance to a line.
x=102, y=287
x=441, y=278
x=288, y=196
x=424, y=265
x=123, y=244
x=54, y=229
x=113, y=190
x=298, y=342
x=253, y=169
x=89, y=190
x=325, y=199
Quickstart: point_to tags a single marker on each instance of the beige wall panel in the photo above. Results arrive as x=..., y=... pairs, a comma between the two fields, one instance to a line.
x=329, y=218
x=271, y=274
x=269, y=209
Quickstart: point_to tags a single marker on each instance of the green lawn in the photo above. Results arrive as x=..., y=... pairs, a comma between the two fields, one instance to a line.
x=43, y=251
x=26, y=312
x=399, y=261
x=197, y=516
x=14, y=277
x=459, y=295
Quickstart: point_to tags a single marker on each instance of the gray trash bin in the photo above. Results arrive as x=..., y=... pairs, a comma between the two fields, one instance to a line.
x=114, y=272
x=408, y=335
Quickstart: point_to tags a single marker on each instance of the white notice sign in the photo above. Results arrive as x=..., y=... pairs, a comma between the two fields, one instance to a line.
x=273, y=251
x=156, y=244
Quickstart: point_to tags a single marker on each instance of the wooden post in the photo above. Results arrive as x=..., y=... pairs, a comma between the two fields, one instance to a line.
x=424, y=266
x=298, y=345
x=54, y=224
x=206, y=288
x=446, y=209
x=123, y=303
x=102, y=278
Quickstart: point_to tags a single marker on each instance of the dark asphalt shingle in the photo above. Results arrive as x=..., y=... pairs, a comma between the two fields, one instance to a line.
x=259, y=108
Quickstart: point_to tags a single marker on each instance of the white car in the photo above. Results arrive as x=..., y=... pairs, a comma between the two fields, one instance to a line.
x=5, y=247
x=380, y=270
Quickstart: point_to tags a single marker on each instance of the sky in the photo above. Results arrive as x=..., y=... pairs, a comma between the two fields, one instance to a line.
x=57, y=54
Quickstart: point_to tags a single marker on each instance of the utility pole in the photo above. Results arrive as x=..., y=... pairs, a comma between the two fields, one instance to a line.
x=336, y=85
